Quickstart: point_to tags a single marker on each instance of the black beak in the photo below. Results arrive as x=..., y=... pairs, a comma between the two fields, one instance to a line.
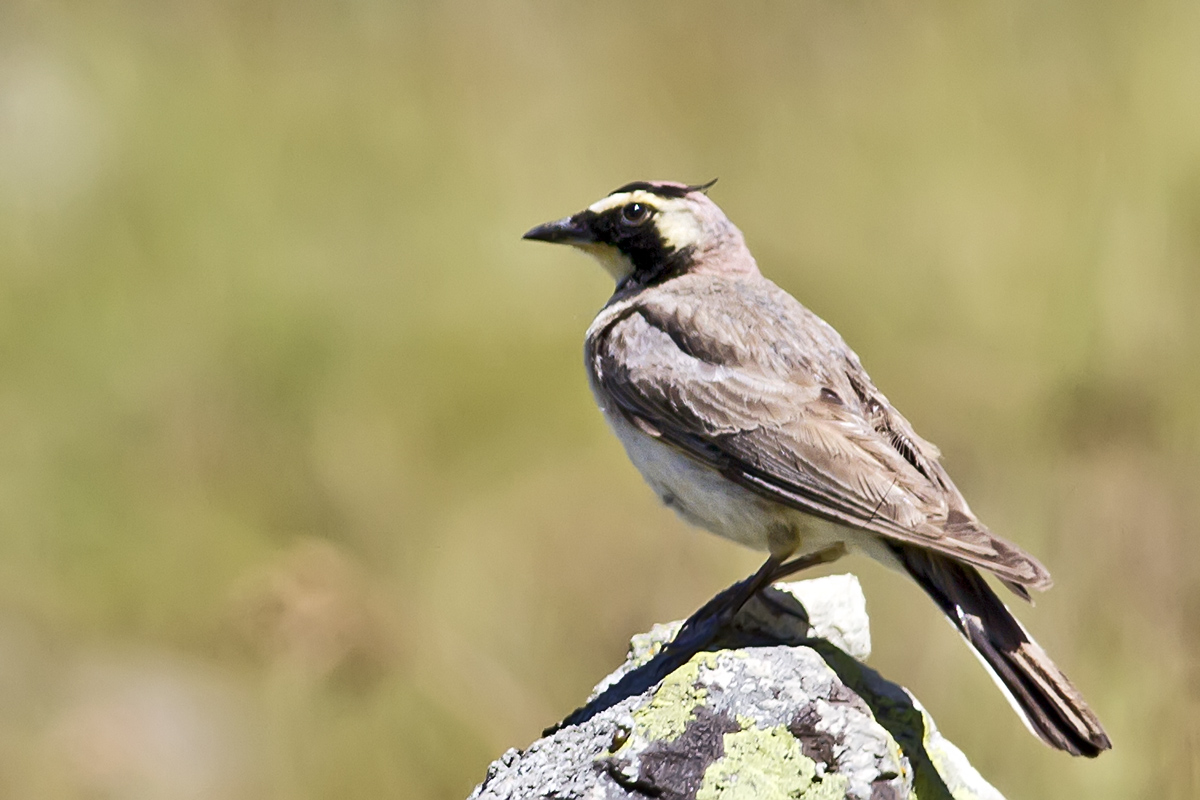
x=569, y=230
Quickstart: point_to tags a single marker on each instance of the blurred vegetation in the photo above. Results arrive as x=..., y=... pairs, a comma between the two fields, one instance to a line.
x=302, y=492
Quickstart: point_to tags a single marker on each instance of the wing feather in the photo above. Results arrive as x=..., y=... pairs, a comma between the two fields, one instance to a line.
x=812, y=433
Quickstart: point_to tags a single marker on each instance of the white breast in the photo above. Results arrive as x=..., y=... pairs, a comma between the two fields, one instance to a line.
x=698, y=494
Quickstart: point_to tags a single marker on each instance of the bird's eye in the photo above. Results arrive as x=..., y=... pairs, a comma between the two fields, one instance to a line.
x=635, y=213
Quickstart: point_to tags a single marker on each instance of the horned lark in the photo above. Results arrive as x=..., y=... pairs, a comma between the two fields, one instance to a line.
x=750, y=417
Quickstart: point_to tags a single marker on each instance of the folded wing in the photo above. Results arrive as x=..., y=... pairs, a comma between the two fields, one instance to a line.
x=808, y=430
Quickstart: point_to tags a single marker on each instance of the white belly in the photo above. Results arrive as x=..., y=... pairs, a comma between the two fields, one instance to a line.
x=705, y=498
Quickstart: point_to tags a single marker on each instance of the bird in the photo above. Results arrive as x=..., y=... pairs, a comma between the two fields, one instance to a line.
x=752, y=418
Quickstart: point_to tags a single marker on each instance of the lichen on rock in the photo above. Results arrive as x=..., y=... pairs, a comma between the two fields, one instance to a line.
x=783, y=710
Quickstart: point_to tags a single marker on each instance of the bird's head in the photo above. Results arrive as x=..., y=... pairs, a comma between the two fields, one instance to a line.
x=649, y=231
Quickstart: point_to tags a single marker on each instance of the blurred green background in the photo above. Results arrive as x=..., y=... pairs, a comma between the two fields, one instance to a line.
x=302, y=491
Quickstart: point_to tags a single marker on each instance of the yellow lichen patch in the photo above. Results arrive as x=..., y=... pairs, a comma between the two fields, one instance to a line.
x=767, y=764
x=667, y=715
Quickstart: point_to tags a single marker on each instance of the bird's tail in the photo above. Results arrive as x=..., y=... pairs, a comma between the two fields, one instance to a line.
x=1047, y=702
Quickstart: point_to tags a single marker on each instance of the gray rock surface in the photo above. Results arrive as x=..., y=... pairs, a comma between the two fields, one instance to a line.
x=785, y=710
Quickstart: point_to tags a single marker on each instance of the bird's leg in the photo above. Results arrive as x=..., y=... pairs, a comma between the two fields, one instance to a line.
x=703, y=626
x=831, y=553
x=698, y=632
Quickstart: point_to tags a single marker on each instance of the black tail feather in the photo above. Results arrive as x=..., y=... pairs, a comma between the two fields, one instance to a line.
x=1037, y=689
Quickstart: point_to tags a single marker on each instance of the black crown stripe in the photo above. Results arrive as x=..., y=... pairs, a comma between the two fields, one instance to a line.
x=663, y=189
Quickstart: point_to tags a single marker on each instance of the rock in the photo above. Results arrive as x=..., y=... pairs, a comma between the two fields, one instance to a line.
x=785, y=709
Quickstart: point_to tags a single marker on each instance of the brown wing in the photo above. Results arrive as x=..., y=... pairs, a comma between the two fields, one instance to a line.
x=794, y=418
